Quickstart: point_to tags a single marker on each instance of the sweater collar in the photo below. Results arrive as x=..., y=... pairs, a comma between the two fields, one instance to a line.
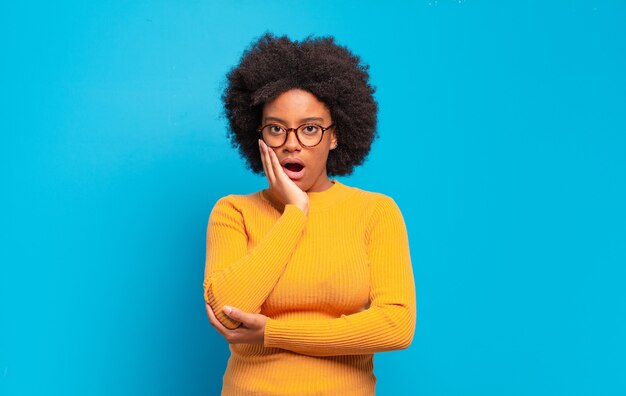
x=319, y=200
x=323, y=199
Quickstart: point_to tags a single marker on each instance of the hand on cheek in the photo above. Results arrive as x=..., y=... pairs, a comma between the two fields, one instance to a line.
x=285, y=190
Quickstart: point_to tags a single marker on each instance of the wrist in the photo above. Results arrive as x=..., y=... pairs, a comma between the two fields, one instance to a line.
x=304, y=208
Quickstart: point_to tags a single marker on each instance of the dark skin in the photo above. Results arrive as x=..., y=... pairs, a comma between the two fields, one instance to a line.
x=290, y=109
x=252, y=327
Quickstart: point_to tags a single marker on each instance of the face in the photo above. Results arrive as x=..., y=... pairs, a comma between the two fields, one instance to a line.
x=290, y=110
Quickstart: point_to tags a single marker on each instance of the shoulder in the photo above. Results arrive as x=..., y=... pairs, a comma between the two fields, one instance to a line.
x=374, y=201
x=239, y=203
x=239, y=200
x=379, y=211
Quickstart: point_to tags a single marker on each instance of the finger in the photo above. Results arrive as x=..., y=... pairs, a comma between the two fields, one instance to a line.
x=278, y=169
x=239, y=315
x=263, y=158
x=215, y=322
x=268, y=163
x=210, y=314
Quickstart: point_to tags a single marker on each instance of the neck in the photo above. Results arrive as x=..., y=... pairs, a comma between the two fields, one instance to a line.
x=322, y=184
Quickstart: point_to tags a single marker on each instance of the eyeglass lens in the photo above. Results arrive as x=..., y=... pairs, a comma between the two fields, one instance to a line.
x=308, y=135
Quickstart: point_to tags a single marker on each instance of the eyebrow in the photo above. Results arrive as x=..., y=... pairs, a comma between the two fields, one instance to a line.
x=307, y=119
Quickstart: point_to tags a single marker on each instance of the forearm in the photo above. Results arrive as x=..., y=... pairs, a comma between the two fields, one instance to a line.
x=377, y=329
x=246, y=281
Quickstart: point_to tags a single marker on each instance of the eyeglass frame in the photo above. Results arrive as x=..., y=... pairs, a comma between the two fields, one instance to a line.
x=295, y=130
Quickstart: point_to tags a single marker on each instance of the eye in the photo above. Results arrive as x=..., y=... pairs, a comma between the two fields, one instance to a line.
x=274, y=129
x=310, y=129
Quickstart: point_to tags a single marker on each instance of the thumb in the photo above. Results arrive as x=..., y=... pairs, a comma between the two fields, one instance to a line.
x=231, y=312
x=236, y=313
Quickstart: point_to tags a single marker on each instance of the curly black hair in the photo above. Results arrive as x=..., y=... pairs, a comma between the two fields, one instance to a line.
x=333, y=74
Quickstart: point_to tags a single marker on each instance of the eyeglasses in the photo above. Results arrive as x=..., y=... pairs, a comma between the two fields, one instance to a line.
x=309, y=135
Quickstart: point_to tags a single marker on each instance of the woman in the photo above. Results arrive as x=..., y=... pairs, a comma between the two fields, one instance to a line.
x=309, y=277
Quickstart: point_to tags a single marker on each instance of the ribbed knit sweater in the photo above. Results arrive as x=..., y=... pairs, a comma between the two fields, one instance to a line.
x=336, y=285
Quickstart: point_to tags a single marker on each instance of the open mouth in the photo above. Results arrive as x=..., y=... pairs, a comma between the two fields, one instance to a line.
x=293, y=170
x=294, y=167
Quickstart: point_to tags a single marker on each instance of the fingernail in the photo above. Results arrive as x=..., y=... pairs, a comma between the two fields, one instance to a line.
x=227, y=309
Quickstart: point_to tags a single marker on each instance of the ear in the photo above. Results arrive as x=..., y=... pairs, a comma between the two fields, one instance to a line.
x=333, y=140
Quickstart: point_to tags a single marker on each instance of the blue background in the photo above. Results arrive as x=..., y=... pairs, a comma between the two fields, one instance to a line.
x=503, y=141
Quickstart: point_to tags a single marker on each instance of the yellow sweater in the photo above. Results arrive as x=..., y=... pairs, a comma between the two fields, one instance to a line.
x=337, y=286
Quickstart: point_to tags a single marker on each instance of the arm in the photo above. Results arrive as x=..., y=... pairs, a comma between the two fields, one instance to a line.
x=237, y=277
x=388, y=324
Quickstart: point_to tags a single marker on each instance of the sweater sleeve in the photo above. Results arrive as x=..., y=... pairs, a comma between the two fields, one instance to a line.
x=389, y=322
x=237, y=277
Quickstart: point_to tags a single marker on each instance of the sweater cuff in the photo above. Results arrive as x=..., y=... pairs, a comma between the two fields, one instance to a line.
x=268, y=335
x=280, y=333
x=289, y=208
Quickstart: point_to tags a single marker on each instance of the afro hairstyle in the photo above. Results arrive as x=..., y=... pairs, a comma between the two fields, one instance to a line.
x=333, y=74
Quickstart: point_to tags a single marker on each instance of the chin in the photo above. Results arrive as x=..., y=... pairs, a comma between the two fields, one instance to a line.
x=302, y=184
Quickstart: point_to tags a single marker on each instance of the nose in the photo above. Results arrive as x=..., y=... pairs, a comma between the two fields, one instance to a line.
x=292, y=142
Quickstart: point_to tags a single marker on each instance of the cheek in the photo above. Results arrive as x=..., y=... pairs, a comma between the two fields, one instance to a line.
x=319, y=162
